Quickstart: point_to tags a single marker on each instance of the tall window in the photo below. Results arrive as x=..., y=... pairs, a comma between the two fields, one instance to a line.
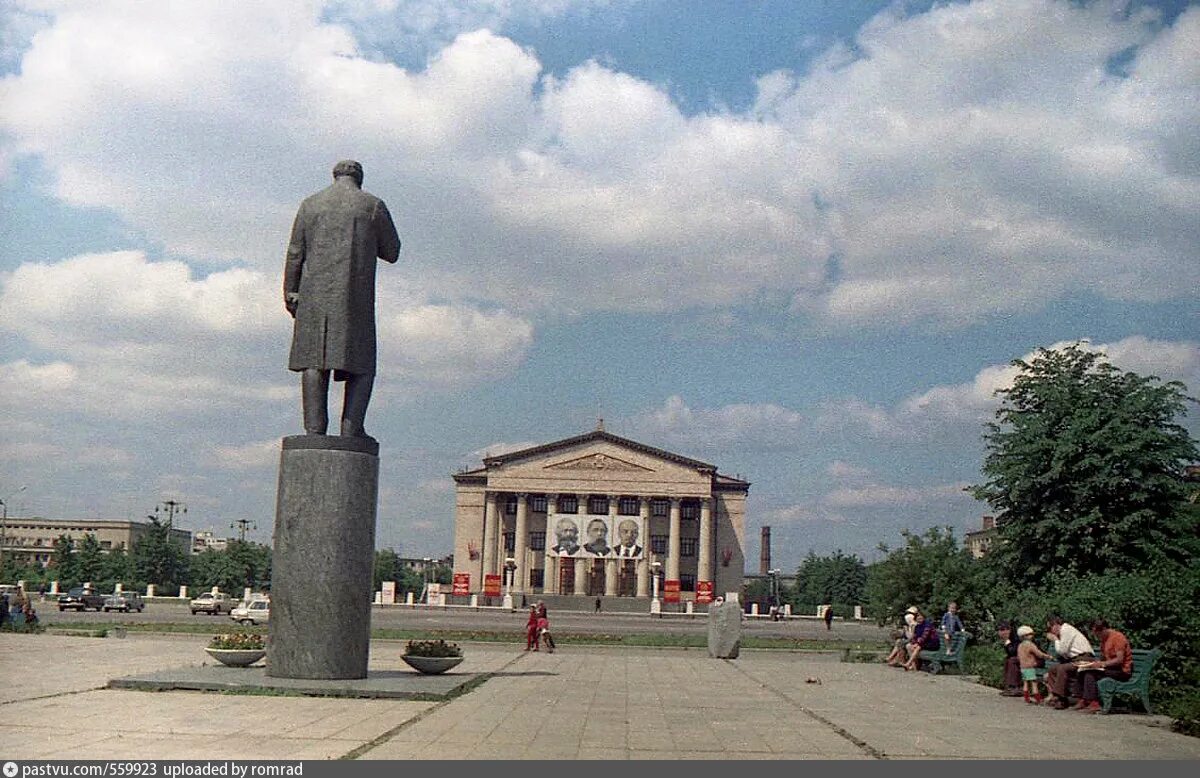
x=658, y=544
x=537, y=577
x=537, y=503
x=568, y=503
x=687, y=547
x=687, y=582
x=628, y=506
x=537, y=541
x=510, y=505
x=510, y=542
x=598, y=505
x=689, y=510
x=660, y=507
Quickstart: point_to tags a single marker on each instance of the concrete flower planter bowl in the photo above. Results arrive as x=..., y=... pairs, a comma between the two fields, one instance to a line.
x=236, y=657
x=431, y=665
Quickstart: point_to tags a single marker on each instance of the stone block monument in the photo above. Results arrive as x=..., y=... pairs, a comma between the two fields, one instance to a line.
x=321, y=579
x=724, y=629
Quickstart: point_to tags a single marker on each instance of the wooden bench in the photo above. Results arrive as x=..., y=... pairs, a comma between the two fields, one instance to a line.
x=946, y=655
x=1138, y=683
x=1139, y=680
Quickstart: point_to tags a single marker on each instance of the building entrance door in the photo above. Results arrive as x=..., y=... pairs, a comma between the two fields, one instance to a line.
x=627, y=578
x=566, y=575
x=597, y=579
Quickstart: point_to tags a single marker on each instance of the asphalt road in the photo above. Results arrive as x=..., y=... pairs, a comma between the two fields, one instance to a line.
x=402, y=617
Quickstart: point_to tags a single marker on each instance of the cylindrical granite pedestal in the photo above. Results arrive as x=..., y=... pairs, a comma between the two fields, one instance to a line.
x=321, y=567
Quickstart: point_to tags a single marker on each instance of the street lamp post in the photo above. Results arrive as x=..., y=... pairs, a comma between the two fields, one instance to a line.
x=510, y=565
x=774, y=574
x=4, y=529
x=655, y=571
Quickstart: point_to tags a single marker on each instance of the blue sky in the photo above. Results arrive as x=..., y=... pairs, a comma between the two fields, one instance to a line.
x=800, y=240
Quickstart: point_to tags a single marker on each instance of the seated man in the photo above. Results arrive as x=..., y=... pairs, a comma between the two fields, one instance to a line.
x=1116, y=662
x=1072, y=650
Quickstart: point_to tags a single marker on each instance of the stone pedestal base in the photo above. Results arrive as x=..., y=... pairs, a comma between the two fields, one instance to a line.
x=321, y=568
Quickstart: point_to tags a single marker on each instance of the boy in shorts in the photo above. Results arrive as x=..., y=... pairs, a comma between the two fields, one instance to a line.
x=1028, y=654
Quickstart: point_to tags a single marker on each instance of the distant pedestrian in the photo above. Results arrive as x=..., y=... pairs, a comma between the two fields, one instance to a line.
x=828, y=617
x=531, y=629
x=597, y=605
x=543, y=628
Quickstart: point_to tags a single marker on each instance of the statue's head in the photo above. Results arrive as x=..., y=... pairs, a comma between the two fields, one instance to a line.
x=348, y=167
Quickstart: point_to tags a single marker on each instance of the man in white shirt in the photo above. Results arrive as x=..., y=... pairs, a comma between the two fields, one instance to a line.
x=1071, y=646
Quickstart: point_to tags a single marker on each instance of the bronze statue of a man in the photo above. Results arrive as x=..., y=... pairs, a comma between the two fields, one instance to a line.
x=329, y=289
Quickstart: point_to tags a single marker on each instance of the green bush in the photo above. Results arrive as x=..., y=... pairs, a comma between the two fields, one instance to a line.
x=987, y=662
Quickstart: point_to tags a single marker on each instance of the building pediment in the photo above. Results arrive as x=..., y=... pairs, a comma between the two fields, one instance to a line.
x=599, y=462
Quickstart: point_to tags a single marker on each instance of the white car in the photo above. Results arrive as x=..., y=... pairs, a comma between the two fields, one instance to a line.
x=252, y=612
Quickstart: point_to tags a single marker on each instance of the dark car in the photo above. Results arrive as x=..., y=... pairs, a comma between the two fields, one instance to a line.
x=81, y=599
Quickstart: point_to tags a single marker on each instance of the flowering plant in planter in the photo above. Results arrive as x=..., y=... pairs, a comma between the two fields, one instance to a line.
x=238, y=641
x=433, y=648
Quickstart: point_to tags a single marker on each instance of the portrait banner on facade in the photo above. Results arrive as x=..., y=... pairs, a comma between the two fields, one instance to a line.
x=670, y=591
x=589, y=536
x=462, y=584
x=704, y=591
x=491, y=585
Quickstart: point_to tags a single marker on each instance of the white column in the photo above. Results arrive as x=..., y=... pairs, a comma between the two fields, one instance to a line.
x=498, y=540
x=491, y=528
x=705, y=568
x=610, y=565
x=521, y=585
x=550, y=566
x=673, y=543
x=643, y=564
x=582, y=563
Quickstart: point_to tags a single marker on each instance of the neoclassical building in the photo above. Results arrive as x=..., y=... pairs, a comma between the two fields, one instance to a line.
x=599, y=514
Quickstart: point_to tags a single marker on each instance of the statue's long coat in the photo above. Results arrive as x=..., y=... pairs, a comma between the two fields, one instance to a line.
x=336, y=237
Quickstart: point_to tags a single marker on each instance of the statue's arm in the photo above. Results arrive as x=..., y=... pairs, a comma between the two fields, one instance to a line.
x=386, y=235
x=294, y=265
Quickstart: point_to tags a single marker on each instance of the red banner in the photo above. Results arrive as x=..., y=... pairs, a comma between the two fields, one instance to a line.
x=491, y=585
x=704, y=591
x=670, y=591
x=462, y=584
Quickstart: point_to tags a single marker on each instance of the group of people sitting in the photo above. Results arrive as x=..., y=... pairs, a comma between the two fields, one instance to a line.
x=1078, y=668
x=920, y=635
x=537, y=629
x=18, y=609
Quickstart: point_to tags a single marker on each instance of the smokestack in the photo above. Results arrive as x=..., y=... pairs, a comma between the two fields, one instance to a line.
x=764, y=558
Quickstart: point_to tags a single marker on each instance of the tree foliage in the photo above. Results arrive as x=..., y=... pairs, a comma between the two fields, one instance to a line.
x=62, y=562
x=157, y=559
x=839, y=579
x=239, y=565
x=1085, y=468
x=928, y=571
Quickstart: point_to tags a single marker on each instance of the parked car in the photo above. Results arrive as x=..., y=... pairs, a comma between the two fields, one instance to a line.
x=124, y=601
x=81, y=599
x=256, y=611
x=212, y=604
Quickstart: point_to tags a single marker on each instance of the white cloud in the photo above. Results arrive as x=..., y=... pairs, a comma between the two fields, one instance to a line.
x=974, y=158
x=262, y=454
x=877, y=495
x=500, y=448
x=748, y=426
x=971, y=403
x=846, y=471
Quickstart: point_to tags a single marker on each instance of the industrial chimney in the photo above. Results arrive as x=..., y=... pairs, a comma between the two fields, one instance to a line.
x=764, y=559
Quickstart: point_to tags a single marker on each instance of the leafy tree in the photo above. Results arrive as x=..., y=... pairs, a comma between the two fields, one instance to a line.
x=387, y=566
x=929, y=571
x=238, y=565
x=838, y=579
x=116, y=566
x=62, y=562
x=157, y=559
x=1085, y=469
x=89, y=559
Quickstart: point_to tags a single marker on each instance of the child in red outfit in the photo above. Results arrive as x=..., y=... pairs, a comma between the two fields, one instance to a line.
x=531, y=629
